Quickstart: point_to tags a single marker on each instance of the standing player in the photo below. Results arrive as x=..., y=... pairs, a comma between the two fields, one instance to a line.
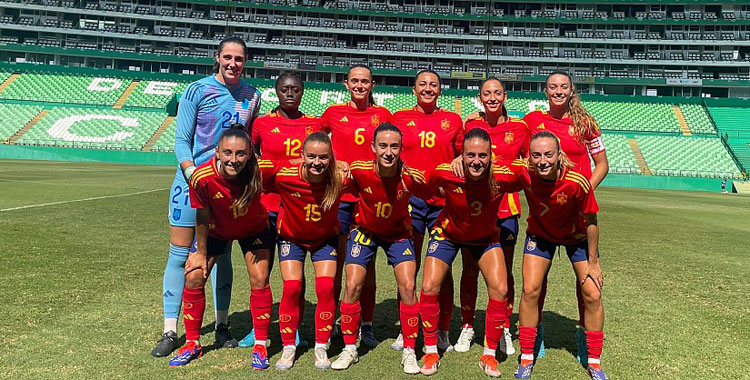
x=468, y=221
x=510, y=140
x=432, y=136
x=226, y=195
x=382, y=220
x=310, y=196
x=351, y=126
x=207, y=107
x=279, y=136
x=580, y=139
x=562, y=212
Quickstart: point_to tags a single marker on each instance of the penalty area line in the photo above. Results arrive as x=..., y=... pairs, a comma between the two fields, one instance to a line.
x=82, y=200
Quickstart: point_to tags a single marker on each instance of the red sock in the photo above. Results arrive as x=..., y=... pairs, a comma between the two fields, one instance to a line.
x=409, y=316
x=581, y=305
x=468, y=298
x=325, y=309
x=367, y=300
x=260, y=308
x=494, y=321
x=429, y=310
x=511, y=297
x=527, y=337
x=446, y=305
x=289, y=311
x=194, y=304
x=594, y=343
x=508, y=313
x=350, y=316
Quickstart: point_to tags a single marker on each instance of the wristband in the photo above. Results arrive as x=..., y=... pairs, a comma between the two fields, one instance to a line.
x=188, y=172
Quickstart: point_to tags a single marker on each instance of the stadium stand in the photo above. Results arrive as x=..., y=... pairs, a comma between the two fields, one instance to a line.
x=655, y=117
x=165, y=143
x=619, y=154
x=68, y=89
x=13, y=117
x=687, y=156
x=154, y=94
x=732, y=124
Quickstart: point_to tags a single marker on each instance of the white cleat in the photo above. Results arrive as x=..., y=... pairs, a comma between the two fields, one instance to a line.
x=347, y=357
x=506, y=343
x=463, y=344
x=321, y=358
x=398, y=344
x=409, y=361
x=444, y=342
x=287, y=358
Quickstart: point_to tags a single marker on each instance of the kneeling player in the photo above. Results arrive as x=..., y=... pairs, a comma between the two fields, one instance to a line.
x=468, y=221
x=384, y=188
x=226, y=193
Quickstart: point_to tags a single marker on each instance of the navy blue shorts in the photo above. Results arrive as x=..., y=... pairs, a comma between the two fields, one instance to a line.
x=261, y=240
x=538, y=246
x=291, y=251
x=508, y=231
x=423, y=215
x=346, y=216
x=446, y=251
x=362, y=246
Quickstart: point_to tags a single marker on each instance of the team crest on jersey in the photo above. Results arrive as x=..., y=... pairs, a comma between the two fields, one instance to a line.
x=375, y=120
x=356, y=249
x=308, y=130
x=531, y=245
x=445, y=124
x=285, y=248
x=433, y=247
x=176, y=213
x=326, y=315
x=399, y=195
x=509, y=137
x=562, y=199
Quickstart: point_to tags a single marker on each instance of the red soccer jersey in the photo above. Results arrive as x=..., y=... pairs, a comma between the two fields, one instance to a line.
x=577, y=151
x=429, y=140
x=302, y=219
x=209, y=189
x=510, y=140
x=279, y=138
x=383, y=206
x=470, y=212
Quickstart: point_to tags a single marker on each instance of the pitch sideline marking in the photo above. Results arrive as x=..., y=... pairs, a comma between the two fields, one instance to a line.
x=82, y=200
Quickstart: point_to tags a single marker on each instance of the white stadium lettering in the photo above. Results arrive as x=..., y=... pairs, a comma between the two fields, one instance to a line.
x=380, y=98
x=477, y=104
x=160, y=88
x=269, y=95
x=104, y=84
x=61, y=128
x=336, y=97
x=538, y=105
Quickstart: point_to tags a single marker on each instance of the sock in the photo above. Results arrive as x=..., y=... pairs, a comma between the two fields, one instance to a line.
x=367, y=300
x=446, y=305
x=489, y=351
x=289, y=311
x=594, y=344
x=174, y=282
x=508, y=313
x=260, y=308
x=261, y=343
x=324, y=310
x=526, y=338
x=170, y=324
x=221, y=279
x=195, y=304
x=429, y=310
x=222, y=317
x=350, y=316
x=409, y=317
x=494, y=322
x=321, y=345
x=468, y=297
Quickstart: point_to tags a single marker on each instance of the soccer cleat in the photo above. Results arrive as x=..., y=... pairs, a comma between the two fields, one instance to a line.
x=367, y=336
x=287, y=358
x=444, y=341
x=430, y=362
x=260, y=357
x=596, y=373
x=347, y=357
x=186, y=354
x=463, y=344
x=409, y=361
x=506, y=343
x=539, y=351
x=166, y=345
x=488, y=364
x=321, y=358
x=224, y=337
x=583, y=351
x=249, y=340
x=524, y=369
x=398, y=344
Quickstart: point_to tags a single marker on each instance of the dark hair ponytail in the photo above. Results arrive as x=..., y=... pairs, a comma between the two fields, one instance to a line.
x=481, y=134
x=249, y=177
x=370, y=98
x=229, y=40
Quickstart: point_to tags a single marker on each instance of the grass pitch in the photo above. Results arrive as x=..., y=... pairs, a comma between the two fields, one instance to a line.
x=82, y=289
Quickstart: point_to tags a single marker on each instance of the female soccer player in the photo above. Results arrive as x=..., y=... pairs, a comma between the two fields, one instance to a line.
x=510, y=140
x=384, y=188
x=279, y=136
x=562, y=212
x=225, y=191
x=207, y=107
x=310, y=195
x=432, y=136
x=351, y=126
x=468, y=221
x=580, y=139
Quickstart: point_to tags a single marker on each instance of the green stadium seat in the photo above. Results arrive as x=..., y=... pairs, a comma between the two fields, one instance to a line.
x=165, y=143
x=620, y=156
x=68, y=89
x=697, y=119
x=154, y=94
x=704, y=157
x=14, y=116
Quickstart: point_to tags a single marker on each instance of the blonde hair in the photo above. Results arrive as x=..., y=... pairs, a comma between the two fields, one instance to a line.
x=583, y=123
x=563, y=158
x=334, y=176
